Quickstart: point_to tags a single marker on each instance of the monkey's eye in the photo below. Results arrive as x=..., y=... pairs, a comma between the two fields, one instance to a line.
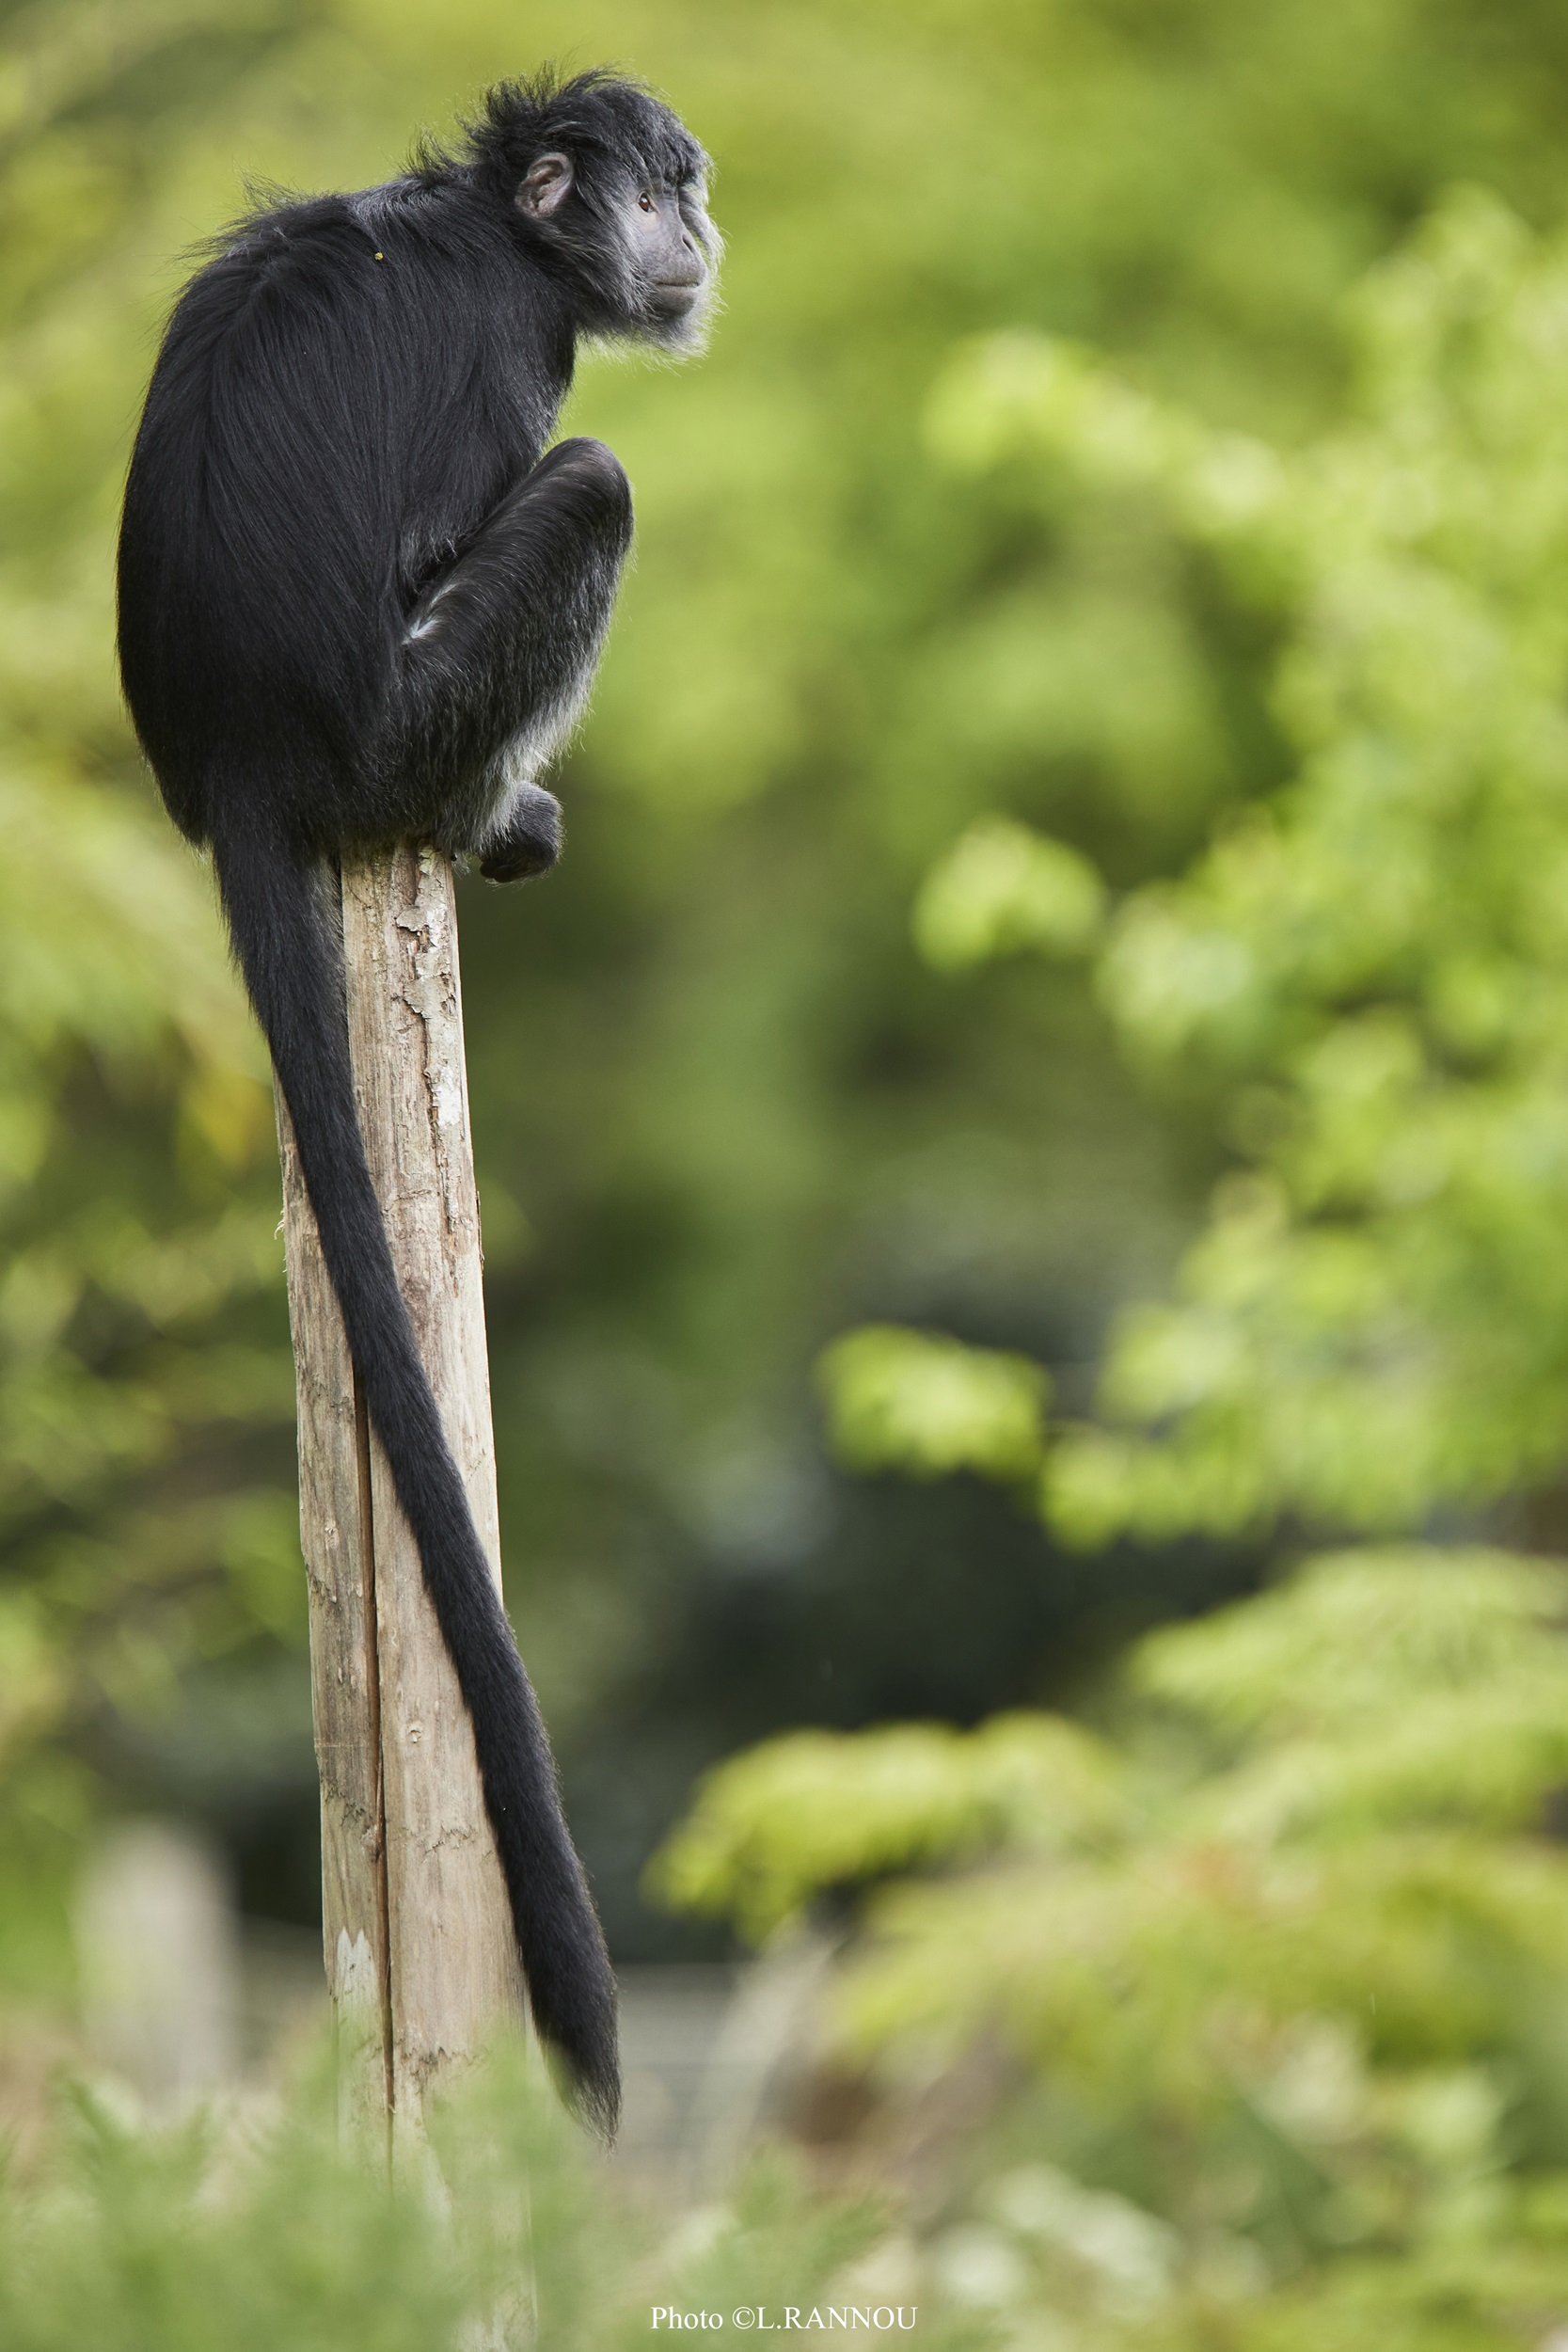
x=645, y=203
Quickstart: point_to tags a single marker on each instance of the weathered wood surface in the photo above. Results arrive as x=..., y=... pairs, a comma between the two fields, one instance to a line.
x=340, y=1563
x=420, y=1961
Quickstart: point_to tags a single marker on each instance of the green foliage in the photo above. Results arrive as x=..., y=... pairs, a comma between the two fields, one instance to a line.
x=1283, y=663
x=1003, y=888
x=142, y=1526
x=723, y=1109
x=1280, y=1969
x=1374, y=963
x=1366, y=968
x=918, y=1402
x=762, y=1835
x=262, y=2232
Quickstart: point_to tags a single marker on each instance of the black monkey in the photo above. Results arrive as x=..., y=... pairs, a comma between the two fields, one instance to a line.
x=358, y=603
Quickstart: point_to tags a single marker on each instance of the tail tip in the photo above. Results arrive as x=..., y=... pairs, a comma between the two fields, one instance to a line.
x=588, y=2086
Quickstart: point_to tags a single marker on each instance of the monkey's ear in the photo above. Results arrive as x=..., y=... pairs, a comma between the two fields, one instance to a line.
x=545, y=186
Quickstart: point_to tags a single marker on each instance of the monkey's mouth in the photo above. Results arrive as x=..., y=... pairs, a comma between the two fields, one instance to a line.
x=677, y=294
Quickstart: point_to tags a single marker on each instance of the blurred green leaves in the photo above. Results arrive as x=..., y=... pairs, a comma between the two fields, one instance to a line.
x=1365, y=969
x=823, y=1808
x=917, y=1402
x=1281, y=1965
x=140, y=1356
x=251, y=2232
x=733, y=1109
x=1001, y=887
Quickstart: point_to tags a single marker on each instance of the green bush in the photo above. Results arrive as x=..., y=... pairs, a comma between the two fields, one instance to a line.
x=1276, y=1971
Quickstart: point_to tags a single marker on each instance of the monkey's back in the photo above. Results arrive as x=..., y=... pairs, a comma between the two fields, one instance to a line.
x=345, y=366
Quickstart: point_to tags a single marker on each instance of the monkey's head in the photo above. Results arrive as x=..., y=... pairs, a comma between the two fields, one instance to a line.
x=608, y=188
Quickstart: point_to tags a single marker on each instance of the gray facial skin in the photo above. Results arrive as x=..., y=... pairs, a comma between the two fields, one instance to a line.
x=668, y=253
x=666, y=228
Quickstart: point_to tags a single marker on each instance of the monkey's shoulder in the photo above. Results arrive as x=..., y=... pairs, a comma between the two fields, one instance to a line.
x=309, y=241
x=324, y=271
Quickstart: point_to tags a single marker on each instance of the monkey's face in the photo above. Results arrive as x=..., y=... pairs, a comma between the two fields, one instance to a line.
x=669, y=232
x=658, y=230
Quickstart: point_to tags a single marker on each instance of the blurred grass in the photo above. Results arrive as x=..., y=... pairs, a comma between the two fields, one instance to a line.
x=258, y=2230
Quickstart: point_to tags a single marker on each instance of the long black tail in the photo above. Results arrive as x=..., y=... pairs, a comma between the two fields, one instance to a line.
x=282, y=929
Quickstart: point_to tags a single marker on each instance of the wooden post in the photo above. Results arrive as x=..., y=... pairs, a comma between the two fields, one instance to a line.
x=420, y=1961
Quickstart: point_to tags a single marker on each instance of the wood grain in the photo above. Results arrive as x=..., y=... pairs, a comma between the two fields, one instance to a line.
x=421, y=1959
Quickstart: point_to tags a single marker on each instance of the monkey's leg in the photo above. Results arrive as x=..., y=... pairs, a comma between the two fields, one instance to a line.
x=498, y=656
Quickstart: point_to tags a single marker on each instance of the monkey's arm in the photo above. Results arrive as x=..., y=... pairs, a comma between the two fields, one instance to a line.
x=499, y=653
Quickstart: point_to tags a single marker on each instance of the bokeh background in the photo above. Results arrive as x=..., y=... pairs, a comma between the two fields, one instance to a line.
x=1036, y=1101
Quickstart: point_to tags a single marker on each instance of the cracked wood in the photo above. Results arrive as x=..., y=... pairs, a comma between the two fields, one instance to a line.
x=414, y=1903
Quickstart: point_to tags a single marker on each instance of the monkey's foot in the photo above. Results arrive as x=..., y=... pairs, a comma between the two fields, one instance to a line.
x=531, y=842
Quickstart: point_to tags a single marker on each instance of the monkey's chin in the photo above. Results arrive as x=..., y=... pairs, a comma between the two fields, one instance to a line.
x=676, y=318
x=675, y=303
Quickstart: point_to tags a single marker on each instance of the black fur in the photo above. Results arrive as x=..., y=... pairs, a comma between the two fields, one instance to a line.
x=358, y=605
